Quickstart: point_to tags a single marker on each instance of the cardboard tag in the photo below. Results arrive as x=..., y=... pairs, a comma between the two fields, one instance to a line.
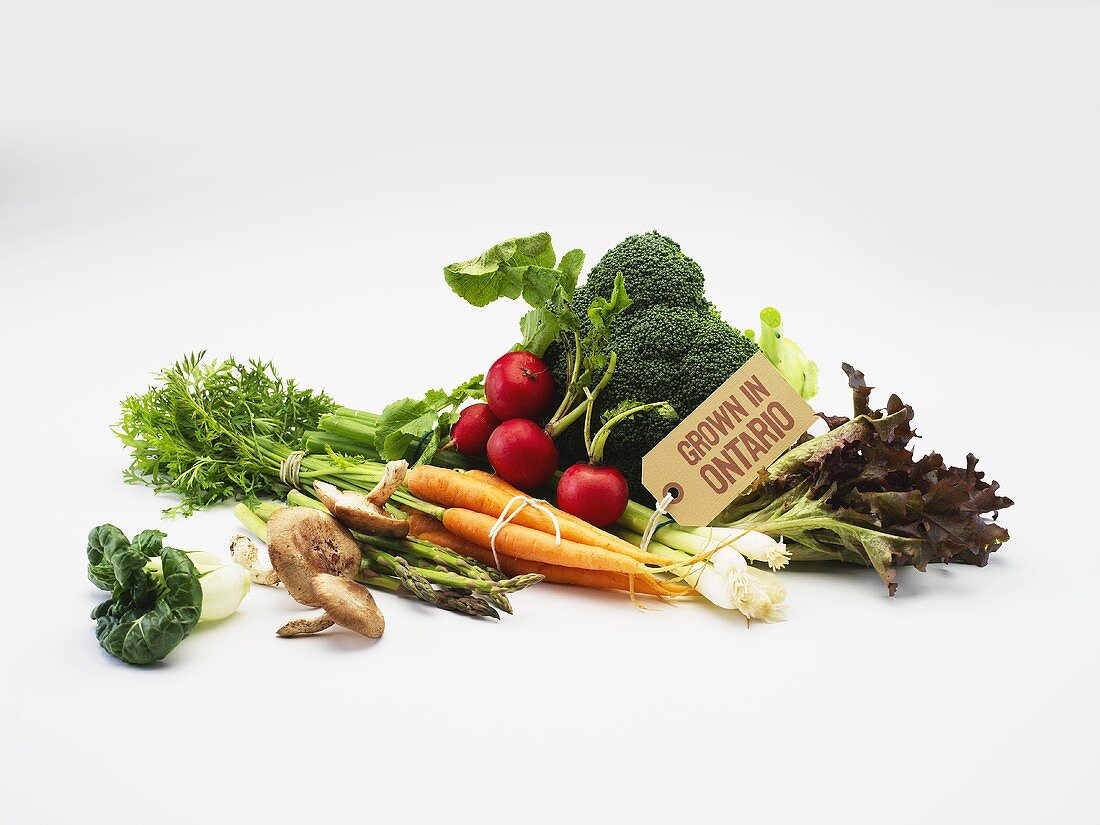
x=719, y=450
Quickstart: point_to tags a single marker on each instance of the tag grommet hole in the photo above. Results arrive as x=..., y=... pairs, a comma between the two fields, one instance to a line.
x=674, y=490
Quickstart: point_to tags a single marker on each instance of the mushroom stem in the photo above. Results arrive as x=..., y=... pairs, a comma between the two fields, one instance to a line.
x=305, y=627
x=244, y=552
x=392, y=478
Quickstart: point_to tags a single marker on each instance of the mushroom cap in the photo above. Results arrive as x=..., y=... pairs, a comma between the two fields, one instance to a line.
x=349, y=604
x=303, y=542
x=360, y=513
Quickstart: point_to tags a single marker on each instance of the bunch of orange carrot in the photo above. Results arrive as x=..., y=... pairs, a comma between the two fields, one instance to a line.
x=462, y=510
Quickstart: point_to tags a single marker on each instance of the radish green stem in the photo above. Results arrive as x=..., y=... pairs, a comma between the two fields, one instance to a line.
x=599, y=441
x=612, y=360
x=574, y=377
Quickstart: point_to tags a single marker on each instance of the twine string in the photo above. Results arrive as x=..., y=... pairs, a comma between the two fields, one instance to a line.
x=291, y=468
x=652, y=526
x=507, y=514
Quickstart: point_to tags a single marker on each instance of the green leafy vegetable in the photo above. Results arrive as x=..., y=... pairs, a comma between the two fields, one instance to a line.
x=539, y=329
x=186, y=433
x=516, y=267
x=528, y=268
x=622, y=412
x=147, y=614
x=569, y=269
x=203, y=445
x=601, y=312
x=787, y=357
x=158, y=593
x=408, y=421
x=858, y=493
x=591, y=362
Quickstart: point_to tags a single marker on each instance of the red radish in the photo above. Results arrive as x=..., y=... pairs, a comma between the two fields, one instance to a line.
x=522, y=453
x=519, y=385
x=596, y=493
x=472, y=430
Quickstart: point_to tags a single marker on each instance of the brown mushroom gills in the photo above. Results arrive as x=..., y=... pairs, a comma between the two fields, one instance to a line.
x=359, y=513
x=346, y=603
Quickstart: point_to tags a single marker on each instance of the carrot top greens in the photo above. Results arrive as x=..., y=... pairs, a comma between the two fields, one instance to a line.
x=203, y=429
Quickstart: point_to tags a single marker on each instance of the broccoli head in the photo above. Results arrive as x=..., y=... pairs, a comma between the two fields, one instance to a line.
x=655, y=271
x=671, y=344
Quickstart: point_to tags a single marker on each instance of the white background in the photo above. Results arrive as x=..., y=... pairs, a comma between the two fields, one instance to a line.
x=914, y=185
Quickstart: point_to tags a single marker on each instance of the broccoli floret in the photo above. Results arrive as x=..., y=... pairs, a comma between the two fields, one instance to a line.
x=655, y=271
x=671, y=344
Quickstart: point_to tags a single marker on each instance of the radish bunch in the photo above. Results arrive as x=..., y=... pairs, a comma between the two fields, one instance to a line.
x=519, y=391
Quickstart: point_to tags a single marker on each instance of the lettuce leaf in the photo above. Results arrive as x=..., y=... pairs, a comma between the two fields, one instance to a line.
x=859, y=494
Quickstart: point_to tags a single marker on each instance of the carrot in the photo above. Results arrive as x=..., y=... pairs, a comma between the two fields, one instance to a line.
x=420, y=523
x=535, y=545
x=495, y=480
x=429, y=529
x=488, y=494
